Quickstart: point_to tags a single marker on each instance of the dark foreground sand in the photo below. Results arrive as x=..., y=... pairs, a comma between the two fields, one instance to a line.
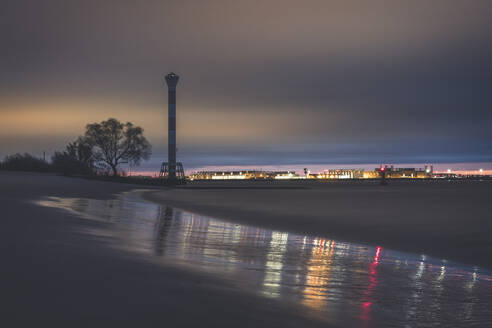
x=447, y=219
x=54, y=275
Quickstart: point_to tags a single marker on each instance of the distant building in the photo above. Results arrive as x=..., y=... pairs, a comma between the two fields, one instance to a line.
x=227, y=175
x=407, y=172
x=243, y=175
x=341, y=174
x=332, y=174
x=371, y=174
x=402, y=173
x=285, y=175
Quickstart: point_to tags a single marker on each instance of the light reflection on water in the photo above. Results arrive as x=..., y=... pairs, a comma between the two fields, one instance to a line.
x=342, y=283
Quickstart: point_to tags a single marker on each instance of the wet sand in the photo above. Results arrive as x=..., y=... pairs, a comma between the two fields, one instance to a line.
x=445, y=219
x=343, y=284
x=62, y=269
x=55, y=274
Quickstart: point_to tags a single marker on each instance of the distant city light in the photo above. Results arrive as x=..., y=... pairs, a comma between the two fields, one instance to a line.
x=378, y=172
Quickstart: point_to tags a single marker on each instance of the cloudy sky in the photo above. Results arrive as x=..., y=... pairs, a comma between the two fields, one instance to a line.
x=262, y=82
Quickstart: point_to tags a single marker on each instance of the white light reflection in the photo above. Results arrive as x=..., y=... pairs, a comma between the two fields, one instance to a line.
x=442, y=273
x=327, y=278
x=274, y=264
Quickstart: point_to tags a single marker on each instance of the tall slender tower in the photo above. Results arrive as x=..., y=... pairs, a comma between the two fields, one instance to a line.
x=172, y=81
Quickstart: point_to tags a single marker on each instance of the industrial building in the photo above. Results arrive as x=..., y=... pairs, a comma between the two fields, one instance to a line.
x=332, y=174
x=371, y=174
x=341, y=174
x=286, y=175
x=408, y=172
x=244, y=175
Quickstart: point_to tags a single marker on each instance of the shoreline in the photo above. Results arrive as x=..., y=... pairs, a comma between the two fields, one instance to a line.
x=443, y=219
x=57, y=274
x=53, y=255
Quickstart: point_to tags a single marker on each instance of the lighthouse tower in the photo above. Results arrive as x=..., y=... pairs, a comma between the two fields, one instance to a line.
x=171, y=170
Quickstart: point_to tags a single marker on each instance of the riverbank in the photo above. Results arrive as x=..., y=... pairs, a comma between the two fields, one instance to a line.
x=446, y=219
x=55, y=274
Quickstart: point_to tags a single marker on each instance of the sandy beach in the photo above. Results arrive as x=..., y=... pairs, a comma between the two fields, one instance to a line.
x=446, y=219
x=81, y=252
x=53, y=274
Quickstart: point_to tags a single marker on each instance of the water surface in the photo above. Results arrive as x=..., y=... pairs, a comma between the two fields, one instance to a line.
x=345, y=284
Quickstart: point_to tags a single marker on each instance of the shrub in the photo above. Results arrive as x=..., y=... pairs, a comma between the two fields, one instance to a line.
x=25, y=162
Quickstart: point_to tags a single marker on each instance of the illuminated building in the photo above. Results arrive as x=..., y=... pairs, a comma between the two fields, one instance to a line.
x=331, y=174
x=371, y=174
x=408, y=172
x=401, y=173
x=391, y=173
x=286, y=175
x=224, y=175
x=243, y=175
x=342, y=174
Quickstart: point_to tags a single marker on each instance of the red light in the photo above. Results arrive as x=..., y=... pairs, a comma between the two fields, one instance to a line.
x=378, y=255
x=382, y=169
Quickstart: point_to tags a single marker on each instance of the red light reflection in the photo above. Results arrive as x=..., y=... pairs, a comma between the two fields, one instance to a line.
x=373, y=281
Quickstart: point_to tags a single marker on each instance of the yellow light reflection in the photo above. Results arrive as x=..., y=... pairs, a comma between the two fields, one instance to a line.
x=318, y=273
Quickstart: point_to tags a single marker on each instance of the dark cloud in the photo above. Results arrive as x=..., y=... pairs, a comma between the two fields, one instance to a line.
x=347, y=80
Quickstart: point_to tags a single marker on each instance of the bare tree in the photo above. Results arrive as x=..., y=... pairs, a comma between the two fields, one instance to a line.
x=116, y=143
